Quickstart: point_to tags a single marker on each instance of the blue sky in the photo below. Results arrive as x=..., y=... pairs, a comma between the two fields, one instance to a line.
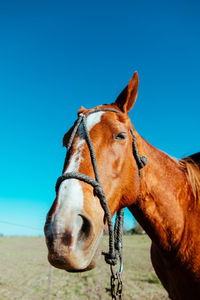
x=58, y=55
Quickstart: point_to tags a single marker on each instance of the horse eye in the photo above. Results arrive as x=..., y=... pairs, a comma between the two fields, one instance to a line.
x=121, y=136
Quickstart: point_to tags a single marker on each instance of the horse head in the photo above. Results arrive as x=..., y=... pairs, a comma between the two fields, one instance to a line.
x=76, y=221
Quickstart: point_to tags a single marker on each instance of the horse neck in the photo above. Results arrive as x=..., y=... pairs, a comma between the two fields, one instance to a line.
x=163, y=197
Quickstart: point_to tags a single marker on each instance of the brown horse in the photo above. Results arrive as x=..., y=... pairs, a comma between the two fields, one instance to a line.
x=165, y=200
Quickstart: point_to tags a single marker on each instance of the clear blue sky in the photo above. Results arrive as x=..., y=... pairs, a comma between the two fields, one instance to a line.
x=58, y=55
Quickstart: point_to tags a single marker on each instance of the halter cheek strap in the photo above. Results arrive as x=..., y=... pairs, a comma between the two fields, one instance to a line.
x=115, y=235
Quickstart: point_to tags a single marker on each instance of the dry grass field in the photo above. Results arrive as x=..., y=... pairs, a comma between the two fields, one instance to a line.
x=24, y=273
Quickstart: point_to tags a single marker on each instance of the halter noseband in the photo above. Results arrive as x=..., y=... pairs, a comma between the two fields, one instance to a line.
x=115, y=235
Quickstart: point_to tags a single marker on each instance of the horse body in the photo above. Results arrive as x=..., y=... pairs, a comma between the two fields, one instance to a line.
x=165, y=200
x=168, y=211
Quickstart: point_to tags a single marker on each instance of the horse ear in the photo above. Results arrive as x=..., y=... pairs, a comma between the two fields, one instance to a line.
x=127, y=98
x=81, y=110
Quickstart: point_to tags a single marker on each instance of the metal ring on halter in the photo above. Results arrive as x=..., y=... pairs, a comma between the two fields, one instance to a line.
x=120, y=267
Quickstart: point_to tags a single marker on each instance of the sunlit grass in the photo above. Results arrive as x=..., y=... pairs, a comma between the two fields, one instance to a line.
x=24, y=273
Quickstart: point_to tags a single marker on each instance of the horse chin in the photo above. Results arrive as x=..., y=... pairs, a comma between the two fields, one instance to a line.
x=76, y=260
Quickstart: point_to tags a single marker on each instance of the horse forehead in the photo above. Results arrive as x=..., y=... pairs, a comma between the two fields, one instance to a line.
x=91, y=121
x=94, y=119
x=113, y=120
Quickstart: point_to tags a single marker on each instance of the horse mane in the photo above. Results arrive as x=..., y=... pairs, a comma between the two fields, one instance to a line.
x=191, y=166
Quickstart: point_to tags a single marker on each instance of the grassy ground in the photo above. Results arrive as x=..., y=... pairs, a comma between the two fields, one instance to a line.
x=24, y=273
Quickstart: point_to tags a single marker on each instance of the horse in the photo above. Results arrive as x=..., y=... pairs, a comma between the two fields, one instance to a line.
x=164, y=197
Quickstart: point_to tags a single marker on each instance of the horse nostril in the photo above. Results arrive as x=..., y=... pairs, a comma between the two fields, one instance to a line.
x=75, y=232
x=86, y=229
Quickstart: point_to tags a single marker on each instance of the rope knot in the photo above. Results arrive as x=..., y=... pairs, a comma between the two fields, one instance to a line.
x=111, y=259
x=143, y=161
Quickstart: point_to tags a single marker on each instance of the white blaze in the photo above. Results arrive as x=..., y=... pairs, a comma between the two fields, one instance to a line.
x=70, y=191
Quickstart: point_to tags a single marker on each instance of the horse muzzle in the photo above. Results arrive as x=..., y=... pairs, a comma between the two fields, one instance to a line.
x=72, y=242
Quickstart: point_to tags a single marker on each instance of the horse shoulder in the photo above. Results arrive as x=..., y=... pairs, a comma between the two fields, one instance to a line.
x=189, y=249
x=161, y=267
x=179, y=272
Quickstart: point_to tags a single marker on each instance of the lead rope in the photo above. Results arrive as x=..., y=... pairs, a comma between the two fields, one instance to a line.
x=115, y=235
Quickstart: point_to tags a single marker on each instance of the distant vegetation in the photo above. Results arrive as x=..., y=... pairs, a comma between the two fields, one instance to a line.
x=137, y=229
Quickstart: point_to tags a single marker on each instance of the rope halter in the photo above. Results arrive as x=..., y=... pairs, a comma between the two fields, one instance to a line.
x=115, y=234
